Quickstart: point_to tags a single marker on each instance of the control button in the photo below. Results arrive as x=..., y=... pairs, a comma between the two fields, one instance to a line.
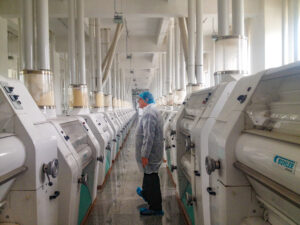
x=8, y=89
x=14, y=97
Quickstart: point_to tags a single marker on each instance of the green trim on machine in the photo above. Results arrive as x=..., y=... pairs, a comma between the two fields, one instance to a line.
x=85, y=202
x=169, y=157
x=107, y=161
x=189, y=208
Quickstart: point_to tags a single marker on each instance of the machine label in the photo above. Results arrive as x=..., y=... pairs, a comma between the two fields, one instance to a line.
x=284, y=163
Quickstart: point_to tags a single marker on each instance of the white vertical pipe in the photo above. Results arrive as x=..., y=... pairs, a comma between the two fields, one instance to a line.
x=238, y=17
x=42, y=35
x=296, y=29
x=71, y=42
x=119, y=84
x=161, y=75
x=199, y=42
x=98, y=56
x=223, y=17
x=124, y=87
x=173, y=57
x=284, y=30
x=177, y=57
x=182, y=68
x=165, y=91
x=27, y=34
x=113, y=78
x=109, y=83
x=157, y=83
x=92, y=52
x=81, y=42
x=191, y=49
x=169, y=63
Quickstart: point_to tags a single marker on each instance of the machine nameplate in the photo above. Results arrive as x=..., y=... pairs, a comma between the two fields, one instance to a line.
x=286, y=164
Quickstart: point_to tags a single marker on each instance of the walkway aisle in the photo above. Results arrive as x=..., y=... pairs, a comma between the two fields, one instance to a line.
x=118, y=203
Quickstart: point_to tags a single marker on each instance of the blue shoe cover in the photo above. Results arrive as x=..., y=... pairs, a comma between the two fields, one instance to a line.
x=139, y=192
x=149, y=212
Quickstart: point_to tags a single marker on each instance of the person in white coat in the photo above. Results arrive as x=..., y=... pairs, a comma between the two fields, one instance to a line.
x=149, y=154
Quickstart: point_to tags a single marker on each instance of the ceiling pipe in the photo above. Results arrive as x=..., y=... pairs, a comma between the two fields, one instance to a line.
x=42, y=35
x=191, y=42
x=177, y=56
x=199, y=42
x=111, y=51
x=238, y=17
x=27, y=34
x=92, y=53
x=71, y=42
x=184, y=35
x=223, y=17
x=81, y=42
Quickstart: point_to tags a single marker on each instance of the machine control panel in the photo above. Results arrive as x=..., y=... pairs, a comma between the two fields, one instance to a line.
x=13, y=97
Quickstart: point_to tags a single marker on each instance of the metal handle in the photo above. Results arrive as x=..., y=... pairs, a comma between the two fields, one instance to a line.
x=210, y=191
x=51, y=169
x=211, y=165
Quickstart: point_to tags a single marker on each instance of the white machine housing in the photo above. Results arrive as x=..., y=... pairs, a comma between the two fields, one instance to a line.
x=27, y=146
x=193, y=121
x=78, y=152
x=253, y=152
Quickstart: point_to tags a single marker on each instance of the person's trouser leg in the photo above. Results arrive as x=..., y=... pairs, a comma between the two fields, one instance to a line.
x=151, y=191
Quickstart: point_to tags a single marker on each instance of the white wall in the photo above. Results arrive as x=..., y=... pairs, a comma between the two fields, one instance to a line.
x=273, y=33
x=257, y=43
x=3, y=47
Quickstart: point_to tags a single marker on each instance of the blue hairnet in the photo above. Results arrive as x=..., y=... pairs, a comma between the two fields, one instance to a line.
x=147, y=97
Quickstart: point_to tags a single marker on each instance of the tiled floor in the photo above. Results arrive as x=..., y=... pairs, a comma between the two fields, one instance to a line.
x=118, y=203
